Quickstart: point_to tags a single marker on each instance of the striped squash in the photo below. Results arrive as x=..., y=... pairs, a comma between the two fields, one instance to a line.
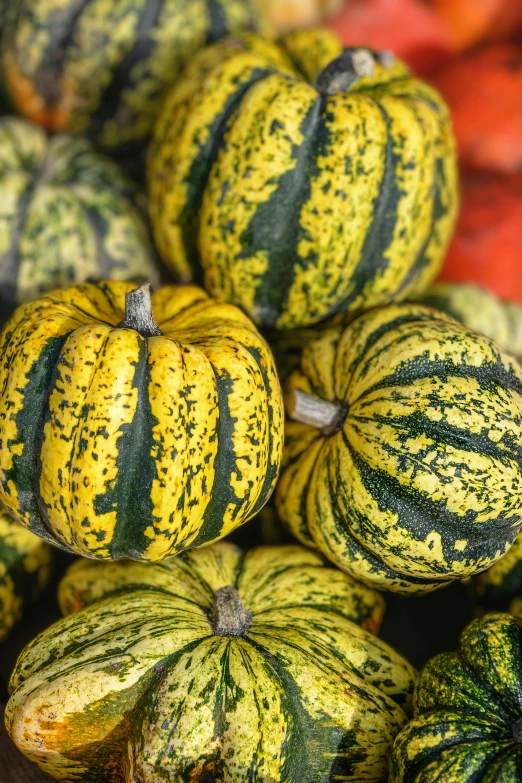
x=68, y=214
x=480, y=310
x=403, y=462
x=121, y=437
x=100, y=69
x=495, y=587
x=302, y=180
x=468, y=712
x=25, y=562
x=214, y=666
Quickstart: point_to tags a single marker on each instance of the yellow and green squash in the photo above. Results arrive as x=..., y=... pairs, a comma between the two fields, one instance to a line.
x=122, y=436
x=480, y=310
x=495, y=587
x=68, y=214
x=213, y=666
x=25, y=566
x=100, y=69
x=403, y=455
x=300, y=180
x=468, y=711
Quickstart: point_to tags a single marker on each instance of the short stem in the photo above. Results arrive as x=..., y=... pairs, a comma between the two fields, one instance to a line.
x=138, y=313
x=228, y=616
x=326, y=416
x=517, y=731
x=347, y=69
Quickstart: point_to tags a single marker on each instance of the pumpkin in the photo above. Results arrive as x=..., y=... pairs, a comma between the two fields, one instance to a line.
x=285, y=15
x=213, y=666
x=494, y=587
x=68, y=214
x=296, y=200
x=487, y=247
x=410, y=28
x=468, y=715
x=126, y=437
x=484, y=92
x=25, y=562
x=472, y=21
x=402, y=460
x=481, y=311
x=101, y=69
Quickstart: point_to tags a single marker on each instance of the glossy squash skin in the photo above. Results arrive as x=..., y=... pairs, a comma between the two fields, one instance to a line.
x=296, y=187
x=129, y=443
x=480, y=310
x=468, y=713
x=100, y=69
x=417, y=480
x=212, y=666
x=68, y=214
x=25, y=565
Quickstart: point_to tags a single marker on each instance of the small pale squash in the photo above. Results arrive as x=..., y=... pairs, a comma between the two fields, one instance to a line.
x=121, y=437
x=213, y=666
x=468, y=711
x=403, y=464
x=68, y=214
x=480, y=310
x=100, y=69
x=285, y=15
x=25, y=564
x=302, y=180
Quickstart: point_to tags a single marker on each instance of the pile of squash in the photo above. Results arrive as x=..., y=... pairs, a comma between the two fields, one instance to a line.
x=220, y=232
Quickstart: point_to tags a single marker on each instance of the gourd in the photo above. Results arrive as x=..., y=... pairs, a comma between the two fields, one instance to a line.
x=128, y=437
x=468, y=717
x=68, y=214
x=101, y=69
x=487, y=245
x=496, y=586
x=472, y=21
x=301, y=180
x=285, y=15
x=215, y=665
x=481, y=311
x=402, y=460
x=25, y=562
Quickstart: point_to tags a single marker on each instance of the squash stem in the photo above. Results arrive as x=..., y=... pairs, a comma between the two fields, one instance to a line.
x=326, y=416
x=138, y=313
x=342, y=73
x=228, y=616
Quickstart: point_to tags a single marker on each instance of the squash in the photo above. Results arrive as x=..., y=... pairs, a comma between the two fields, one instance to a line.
x=25, y=562
x=472, y=21
x=484, y=92
x=121, y=437
x=101, y=69
x=481, y=311
x=213, y=666
x=468, y=716
x=410, y=28
x=296, y=200
x=487, y=246
x=285, y=15
x=402, y=460
x=496, y=586
x=68, y=214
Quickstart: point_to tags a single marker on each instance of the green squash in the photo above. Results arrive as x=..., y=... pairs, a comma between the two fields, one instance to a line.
x=301, y=180
x=493, y=588
x=68, y=214
x=100, y=68
x=122, y=436
x=25, y=562
x=480, y=310
x=468, y=711
x=403, y=451
x=214, y=666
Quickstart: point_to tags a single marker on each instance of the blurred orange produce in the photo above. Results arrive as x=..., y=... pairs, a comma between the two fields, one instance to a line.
x=471, y=21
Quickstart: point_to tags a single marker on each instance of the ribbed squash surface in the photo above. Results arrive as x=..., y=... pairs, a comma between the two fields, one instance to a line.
x=143, y=685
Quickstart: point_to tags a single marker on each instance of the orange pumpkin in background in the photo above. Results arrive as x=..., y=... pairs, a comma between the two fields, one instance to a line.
x=484, y=92
x=409, y=28
x=487, y=247
x=471, y=21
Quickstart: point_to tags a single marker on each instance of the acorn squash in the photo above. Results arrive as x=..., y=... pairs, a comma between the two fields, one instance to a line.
x=302, y=180
x=213, y=666
x=403, y=462
x=468, y=713
x=100, y=69
x=121, y=437
x=68, y=214
x=25, y=564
